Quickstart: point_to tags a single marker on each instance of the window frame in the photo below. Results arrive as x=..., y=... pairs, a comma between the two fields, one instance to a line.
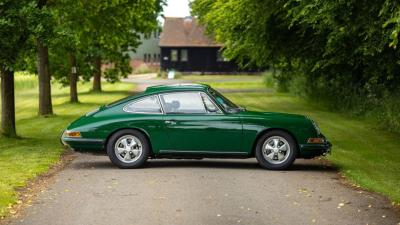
x=187, y=55
x=141, y=99
x=177, y=55
x=218, y=112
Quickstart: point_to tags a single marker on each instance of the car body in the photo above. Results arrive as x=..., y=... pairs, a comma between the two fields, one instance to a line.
x=193, y=121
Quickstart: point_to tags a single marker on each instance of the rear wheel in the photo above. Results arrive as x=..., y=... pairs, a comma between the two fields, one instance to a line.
x=276, y=150
x=128, y=149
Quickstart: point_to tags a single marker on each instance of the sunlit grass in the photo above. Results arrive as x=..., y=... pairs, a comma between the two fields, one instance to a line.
x=38, y=146
x=366, y=155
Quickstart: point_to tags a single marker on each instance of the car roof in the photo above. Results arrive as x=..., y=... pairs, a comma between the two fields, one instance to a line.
x=176, y=87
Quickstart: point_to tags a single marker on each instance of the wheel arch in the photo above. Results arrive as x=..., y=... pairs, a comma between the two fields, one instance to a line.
x=135, y=128
x=263, y=132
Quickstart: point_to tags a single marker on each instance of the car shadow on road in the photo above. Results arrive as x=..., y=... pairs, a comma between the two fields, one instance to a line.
x=306, y=166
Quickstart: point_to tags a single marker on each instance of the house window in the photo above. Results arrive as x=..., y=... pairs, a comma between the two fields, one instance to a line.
x=144, y=57
x=184, y=55
x=174, y=55
x=155, y=57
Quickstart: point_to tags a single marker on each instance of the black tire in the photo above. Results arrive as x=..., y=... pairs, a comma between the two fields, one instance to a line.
x=278, y=166
x=124, y=165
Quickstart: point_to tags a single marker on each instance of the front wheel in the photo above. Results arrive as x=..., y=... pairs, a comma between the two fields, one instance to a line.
x=276, y=150
x=128, y=149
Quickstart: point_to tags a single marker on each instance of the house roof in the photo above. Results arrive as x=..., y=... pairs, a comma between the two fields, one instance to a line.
x=184, y=32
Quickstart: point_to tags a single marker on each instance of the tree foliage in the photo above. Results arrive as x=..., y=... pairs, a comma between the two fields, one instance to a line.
x=66, y=34
x=343, y=51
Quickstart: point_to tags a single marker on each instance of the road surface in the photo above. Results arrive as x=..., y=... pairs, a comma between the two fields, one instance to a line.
x=92, y=191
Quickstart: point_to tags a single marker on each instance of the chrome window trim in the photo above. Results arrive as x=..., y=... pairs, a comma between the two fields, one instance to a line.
x=140, y=99
x=219, y=111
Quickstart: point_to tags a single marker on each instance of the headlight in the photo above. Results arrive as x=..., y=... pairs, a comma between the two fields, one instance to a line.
x=72, y=134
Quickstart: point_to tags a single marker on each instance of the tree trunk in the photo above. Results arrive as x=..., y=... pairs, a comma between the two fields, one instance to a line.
x=73, y=79
x=7, y=103
x=45, y=106
x=97, y=74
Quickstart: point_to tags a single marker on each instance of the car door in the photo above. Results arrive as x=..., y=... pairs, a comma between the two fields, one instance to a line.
x=193, y=128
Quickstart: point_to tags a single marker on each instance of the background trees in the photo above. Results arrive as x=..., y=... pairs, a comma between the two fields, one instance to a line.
x=341, y=52
x=68, y=39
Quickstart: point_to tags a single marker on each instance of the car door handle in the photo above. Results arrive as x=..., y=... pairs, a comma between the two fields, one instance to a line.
x=170, y=122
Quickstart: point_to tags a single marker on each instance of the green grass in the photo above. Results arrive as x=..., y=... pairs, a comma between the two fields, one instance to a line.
x=38, y=146
x=366, y=155
x=238, y=85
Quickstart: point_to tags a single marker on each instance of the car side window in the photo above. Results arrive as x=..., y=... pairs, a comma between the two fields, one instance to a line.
x=144, y=105
x=210, y=106
x=183, y=102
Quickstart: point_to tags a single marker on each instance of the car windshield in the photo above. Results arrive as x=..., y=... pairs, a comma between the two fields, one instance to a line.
x=224, y=102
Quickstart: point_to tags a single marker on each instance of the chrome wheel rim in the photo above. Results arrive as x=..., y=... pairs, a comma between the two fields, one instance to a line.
x=128, y=148
x=276, y=150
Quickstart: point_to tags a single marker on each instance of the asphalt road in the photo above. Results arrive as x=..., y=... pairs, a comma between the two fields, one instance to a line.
x=92, y=191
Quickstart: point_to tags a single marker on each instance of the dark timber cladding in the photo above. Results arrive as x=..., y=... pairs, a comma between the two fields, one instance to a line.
x=185, y=47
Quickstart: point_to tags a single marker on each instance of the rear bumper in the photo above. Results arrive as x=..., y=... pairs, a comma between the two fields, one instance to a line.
x=313, y=150
x=82, y=144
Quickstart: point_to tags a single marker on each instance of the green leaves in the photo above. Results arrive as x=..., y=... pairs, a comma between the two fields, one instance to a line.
x=342, y=51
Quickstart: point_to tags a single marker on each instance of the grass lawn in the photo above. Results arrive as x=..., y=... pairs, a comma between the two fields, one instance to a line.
x=366, y=155
x=39, y=146
x=230, y=82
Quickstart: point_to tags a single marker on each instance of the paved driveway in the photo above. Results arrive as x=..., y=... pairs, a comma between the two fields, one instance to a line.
x=92, y=191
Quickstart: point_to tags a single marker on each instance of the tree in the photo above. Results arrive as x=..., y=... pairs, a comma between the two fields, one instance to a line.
x=113, y=28
x=343, y=52
x=43, y=30
x=14, y=36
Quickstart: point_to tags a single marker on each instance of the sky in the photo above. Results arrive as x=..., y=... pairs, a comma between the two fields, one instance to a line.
x=177, y=8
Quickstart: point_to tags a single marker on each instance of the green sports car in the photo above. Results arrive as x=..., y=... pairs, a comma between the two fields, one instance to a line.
x=193, y=121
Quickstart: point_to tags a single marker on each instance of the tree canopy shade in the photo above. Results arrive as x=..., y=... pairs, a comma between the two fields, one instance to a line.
x=343, y=51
